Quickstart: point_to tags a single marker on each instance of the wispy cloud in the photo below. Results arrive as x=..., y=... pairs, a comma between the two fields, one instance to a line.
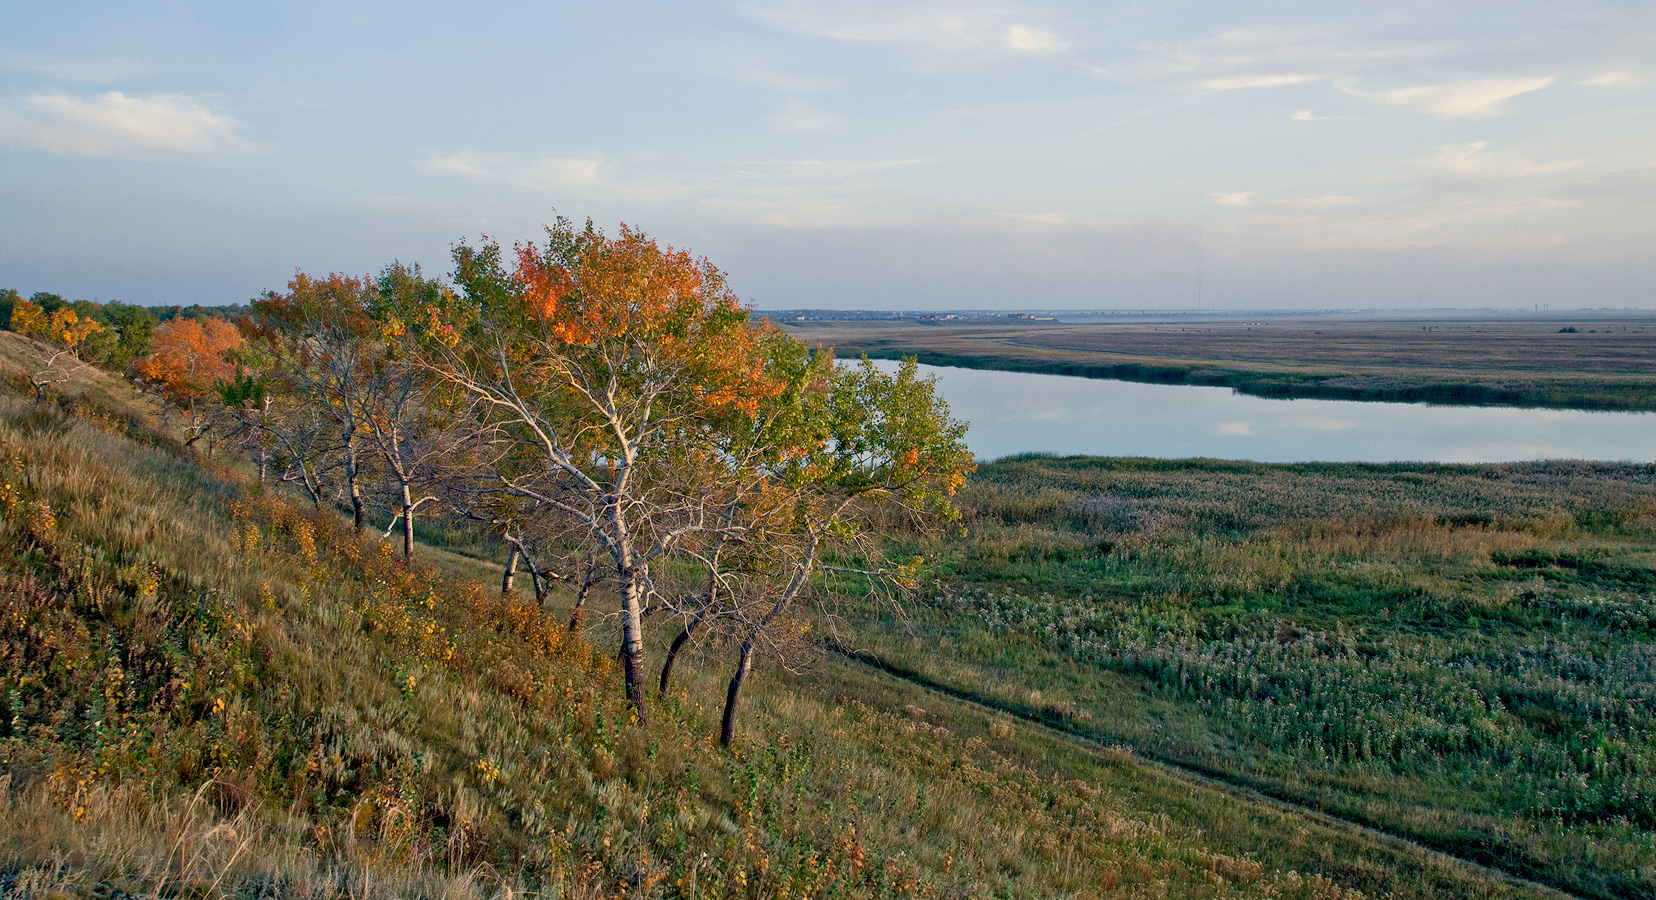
x=1241, y=428
x=118, y=125
x=1240, y=198
x=88, y=70
x=1476, y=99
x=1026, y=39
x=798, y=115
x=1254, y=58
x=811, y=193
x=587, y=177
x=1618, y=78
x=1261, y=58
x=1476, y=161
x=960, y=25
x=1306, y=115
x=1439, y=218
x=1323, y=201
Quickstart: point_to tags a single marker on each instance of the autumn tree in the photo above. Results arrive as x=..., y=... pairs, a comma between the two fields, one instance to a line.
x=599, y=362
x=415, y=428
x=189, y=358
x=61, y=336
x=859, y=443
x=323, y=345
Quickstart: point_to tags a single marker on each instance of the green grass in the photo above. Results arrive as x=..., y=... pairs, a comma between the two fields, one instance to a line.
x=1462, y=654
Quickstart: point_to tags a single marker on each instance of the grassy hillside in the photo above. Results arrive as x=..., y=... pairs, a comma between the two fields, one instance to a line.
x=212, y=692
x=1462, y=654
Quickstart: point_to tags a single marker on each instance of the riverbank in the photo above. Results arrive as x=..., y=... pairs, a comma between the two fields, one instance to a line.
x=1608, y=366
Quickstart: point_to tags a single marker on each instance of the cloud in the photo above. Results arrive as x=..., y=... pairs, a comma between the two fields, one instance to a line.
x=114, y=124
x=1263, y=58
x=78, y=69
x=1425, y=216
x=1240, y=82
x=811, y=193
x=945, y=25
x=1464, y=99
x=1475, y=161
x=797, y=115
x=1240, y=198
x=1024, y=39
x=1241, y=428
x=1620, y=78
x=591, y=176
x=1306, y=115
x=1254, y=58
x=1323, y=201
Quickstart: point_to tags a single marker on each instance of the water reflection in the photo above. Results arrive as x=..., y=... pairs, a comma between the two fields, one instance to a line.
x=1014, y=412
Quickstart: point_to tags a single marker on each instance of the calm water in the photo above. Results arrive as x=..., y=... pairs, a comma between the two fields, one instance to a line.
x=1013, y=412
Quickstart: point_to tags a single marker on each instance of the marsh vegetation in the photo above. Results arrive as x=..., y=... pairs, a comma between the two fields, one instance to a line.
x=1606, y=365
x=1462, y=654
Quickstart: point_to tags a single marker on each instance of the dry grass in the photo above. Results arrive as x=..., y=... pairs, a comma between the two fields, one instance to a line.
x=212, y=693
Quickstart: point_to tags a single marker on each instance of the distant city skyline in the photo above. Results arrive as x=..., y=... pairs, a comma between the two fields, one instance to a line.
x=850, y=155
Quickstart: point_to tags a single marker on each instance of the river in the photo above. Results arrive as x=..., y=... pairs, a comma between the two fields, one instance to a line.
x=1016, y=412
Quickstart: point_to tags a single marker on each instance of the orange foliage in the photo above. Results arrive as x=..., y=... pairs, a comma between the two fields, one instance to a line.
x=63, y=327
x=587, y=290
x=190, y=356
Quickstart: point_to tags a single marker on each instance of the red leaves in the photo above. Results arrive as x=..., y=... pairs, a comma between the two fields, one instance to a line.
x=190, y=356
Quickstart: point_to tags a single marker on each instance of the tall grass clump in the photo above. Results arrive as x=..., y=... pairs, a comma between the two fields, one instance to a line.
x=1462, y=654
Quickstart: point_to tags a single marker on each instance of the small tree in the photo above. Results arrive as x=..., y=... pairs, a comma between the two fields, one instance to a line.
x=323, y=347
x=135, y=328
x=61, y=336
x=600, y=363
x=190, y=357
x=865, y=442
x=415, y=428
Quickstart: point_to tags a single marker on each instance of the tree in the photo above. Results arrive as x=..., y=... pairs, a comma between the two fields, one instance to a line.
x=61, y=335
x=8, y=299
x=323, y=345
x=863, y=441
x=190, y=358
x=600, y=363
x=135, y=327
x=414, y=428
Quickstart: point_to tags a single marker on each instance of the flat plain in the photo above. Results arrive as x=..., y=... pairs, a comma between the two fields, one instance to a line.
x=1603, y=362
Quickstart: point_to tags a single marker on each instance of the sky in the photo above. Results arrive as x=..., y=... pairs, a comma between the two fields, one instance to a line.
x=1154, y=154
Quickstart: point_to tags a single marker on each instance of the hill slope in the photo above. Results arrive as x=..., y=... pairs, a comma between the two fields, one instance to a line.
x=211, y=692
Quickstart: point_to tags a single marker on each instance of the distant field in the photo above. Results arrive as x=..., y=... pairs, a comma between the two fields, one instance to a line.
x=1601, y=364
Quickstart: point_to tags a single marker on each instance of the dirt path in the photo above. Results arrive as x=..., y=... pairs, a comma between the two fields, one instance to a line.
x=1217, y=781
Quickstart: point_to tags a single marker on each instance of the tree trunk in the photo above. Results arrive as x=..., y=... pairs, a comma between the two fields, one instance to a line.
x=408, y=523
x=673, y=652
x=359, y=514
x=727, y=731
x=577, y=616
x=632, y=642
x=511, y=572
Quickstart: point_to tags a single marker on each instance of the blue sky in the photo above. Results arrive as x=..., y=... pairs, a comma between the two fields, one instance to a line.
x=849, y=154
